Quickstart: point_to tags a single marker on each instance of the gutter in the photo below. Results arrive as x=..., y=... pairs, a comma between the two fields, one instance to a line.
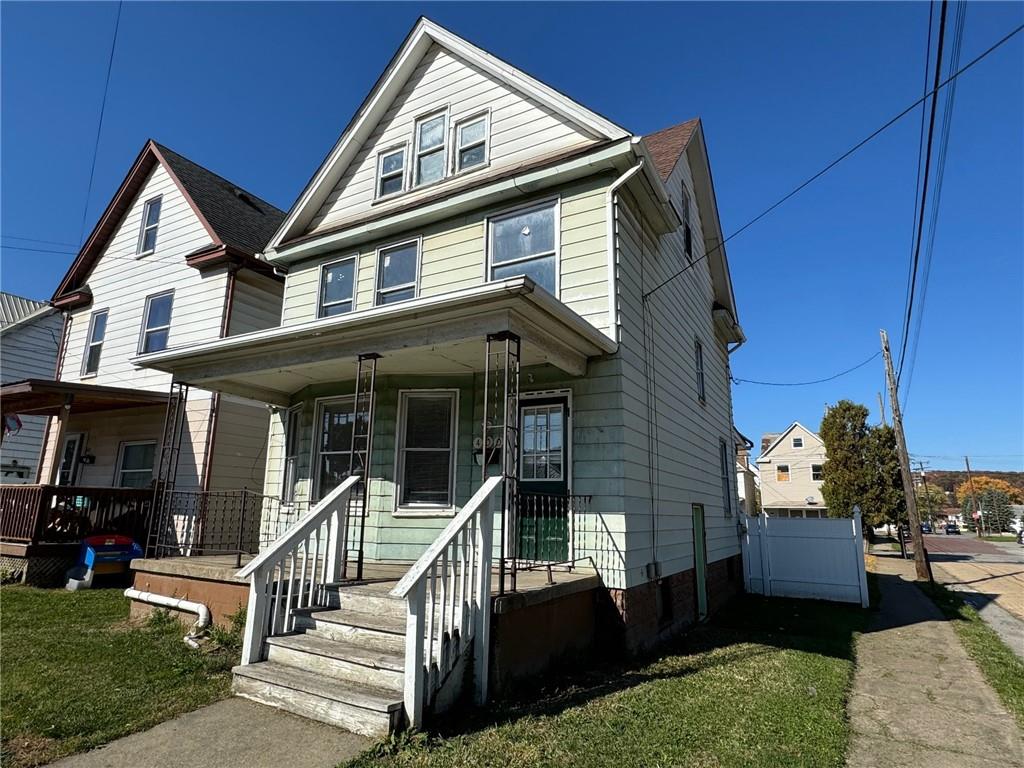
x=611, y=242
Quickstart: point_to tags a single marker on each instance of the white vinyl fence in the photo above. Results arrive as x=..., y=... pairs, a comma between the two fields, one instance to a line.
x=813, y=558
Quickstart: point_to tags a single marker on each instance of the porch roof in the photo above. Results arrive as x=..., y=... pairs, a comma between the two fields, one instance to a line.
x=434, y=335
x=44, y=397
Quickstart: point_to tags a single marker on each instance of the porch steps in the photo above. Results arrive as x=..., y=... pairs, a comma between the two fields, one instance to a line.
x=344, y=665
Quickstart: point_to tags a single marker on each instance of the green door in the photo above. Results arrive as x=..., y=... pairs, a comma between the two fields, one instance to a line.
x=700, y=560
x=543, y=504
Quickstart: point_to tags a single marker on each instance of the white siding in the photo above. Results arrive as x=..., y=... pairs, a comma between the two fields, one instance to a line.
x=256, y=304
x=686, y=433
x=239, y=448
x=520, y=130
x=27, y=351
x=120, y=283
x=793, y=494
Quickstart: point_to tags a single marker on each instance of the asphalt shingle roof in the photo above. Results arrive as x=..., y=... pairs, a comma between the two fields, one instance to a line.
x=668, y=144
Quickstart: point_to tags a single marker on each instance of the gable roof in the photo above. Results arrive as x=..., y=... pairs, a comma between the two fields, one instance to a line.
x=779, y=438
x=17, y=309
x=667, y=145
x=231, y=216
x=423, y=35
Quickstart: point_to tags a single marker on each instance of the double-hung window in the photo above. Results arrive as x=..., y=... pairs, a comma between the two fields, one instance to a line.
x=391, y=172
x=397, y=269
x=723, y=459
x=337, y=282
x=470, y=142
x=292, y=423
x=782, y=473
x=156, y=325
x=426, y=449
x=150, y=224
x=135, y=464
x=687, y=232
x=431, y=133
x=698, y=356
x=798, y=442
x=817, y=472
x=526, y=243
x=94, y=342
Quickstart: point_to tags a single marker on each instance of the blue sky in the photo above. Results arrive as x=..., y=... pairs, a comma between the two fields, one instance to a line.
x=259, y=93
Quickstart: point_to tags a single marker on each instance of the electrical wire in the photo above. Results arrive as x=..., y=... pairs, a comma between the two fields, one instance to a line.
x=37, y=240
x=874, y=134
x=806, y=383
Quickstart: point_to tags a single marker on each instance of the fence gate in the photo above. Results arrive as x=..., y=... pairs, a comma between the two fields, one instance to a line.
x=812, y=558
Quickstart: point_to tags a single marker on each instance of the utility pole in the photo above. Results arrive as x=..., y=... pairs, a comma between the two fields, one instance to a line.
x=927, y=497
x=920, y=562
x=974, y=497
x=881, y=408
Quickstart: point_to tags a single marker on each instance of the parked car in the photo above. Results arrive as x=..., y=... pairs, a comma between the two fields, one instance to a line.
x=926, y=528
x=952, y=529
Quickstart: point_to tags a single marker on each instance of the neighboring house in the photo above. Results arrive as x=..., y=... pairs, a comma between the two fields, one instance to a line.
x=791, y=469
x=170, y=263
x=521, y=288
x=29, y=336
x=747, y=480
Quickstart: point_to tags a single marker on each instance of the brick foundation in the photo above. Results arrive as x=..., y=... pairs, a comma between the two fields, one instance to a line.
x=222, y=598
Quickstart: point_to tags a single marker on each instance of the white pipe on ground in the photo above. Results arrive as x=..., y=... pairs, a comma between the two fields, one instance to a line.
x=203, y=613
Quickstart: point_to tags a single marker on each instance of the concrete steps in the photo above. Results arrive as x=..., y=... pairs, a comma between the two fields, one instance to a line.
x=344, y=665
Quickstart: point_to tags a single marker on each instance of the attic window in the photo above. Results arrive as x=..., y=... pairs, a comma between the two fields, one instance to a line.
x=798, y=442
x=687, y=232
x=470, y=142
x=150, y=224
x=430, y=150
x=391, y=172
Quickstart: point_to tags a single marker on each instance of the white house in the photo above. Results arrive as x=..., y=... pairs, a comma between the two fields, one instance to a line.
x=791, y=470
x=506, y=319
x=29, y=337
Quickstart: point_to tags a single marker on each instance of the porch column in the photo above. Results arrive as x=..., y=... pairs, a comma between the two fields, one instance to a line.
x=58, y=440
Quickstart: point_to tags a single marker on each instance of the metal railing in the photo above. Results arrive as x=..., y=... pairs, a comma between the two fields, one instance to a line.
x=34, y=514
x=194, y=523
x=544, y=528
x=295, y=571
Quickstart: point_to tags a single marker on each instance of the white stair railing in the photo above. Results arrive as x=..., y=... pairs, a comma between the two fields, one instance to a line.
x=448, y=603
x=295, y=570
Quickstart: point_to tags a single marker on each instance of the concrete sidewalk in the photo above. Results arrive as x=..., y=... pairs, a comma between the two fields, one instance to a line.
x=234, y=733
x=917, y=698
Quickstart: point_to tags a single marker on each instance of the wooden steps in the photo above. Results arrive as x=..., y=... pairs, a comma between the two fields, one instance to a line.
x=344, y=665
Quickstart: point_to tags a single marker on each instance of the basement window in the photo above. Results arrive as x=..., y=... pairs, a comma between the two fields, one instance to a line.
x=526, y=243
x=430, y=148
x=426, y=449
x=150, y=224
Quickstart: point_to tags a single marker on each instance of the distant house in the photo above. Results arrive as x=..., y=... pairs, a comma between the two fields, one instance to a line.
x=29, y=336
x=747, y=480
x=791, y=467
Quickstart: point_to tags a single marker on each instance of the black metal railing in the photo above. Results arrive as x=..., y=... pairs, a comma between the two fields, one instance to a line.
x=544, y=528
x=196, y=523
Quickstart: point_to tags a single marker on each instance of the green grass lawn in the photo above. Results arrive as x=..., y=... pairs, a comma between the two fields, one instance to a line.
x=1006, y=537
x=764, y=685
x=76, y=674
x=1001, y=667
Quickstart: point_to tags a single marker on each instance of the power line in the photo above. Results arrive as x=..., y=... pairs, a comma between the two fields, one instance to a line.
x=806, y=383
x=37, y=240
x=874, y=134
x=940, y=173
x=36, y=250
x=99, y=125
x=904, y=340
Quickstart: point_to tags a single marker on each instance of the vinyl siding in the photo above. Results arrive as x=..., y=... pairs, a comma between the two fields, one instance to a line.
x=454, y=257
x=239, y=449
x=681, y=432
x=792, y=494
x=27, y=351
x=520, y=130
x=256, y=303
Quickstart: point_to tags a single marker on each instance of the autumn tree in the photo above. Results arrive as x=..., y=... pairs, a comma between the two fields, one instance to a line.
x=930, y=501
x=984, y=483
x=844, y=431
x=884, y=502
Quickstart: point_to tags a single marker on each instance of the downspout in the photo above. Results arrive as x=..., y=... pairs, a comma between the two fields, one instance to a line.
x=201, y=611
x=610, y=242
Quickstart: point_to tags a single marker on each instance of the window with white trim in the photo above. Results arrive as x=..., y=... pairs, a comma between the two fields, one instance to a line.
x=798, y=442
x=150, y=224
x=723, y=460
x=431, y=134
x=94, y=343
x=135, y=464
x=698, y=356
x=391, y=172
x=397, y=269
x=471, y=142
x=292, y=423
x=426, y=449
x=335, y=418
x=526, y=243
x=156, y=325
x=337, y=283
x=782, y=473
x=817, y=472
x=687, y=231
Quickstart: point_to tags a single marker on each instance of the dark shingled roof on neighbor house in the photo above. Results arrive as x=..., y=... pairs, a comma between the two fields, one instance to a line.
x=668, y=144
x=241, y=219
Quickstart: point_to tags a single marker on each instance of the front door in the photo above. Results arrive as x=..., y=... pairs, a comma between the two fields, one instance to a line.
x=700, y=560
x=72, y=450
x=543, y=503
